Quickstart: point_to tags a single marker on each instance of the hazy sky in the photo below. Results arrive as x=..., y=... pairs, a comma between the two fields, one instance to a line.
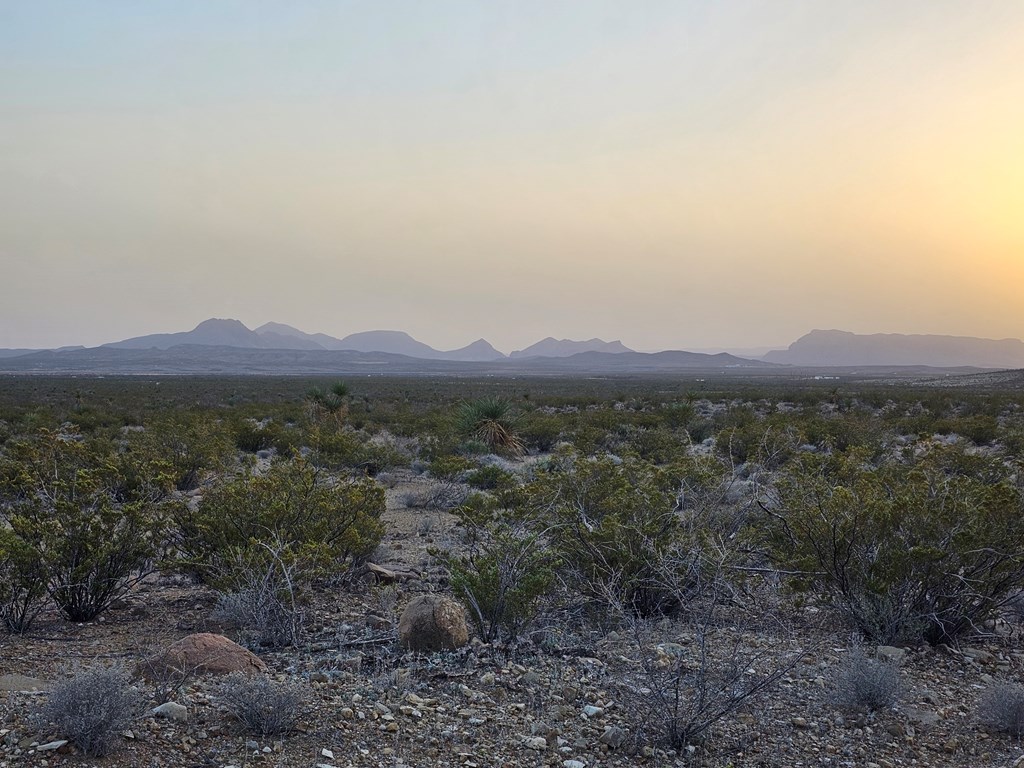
x=673, y=174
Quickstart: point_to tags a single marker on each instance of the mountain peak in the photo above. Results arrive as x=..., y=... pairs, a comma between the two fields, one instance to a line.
x=551, y=347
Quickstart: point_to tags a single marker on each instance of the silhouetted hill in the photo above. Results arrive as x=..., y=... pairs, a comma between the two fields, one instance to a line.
x=640, y=362
x=213, y=332
x=479, y=351
x=551, y=347
x=319, y=340
x=842, y=348
x=393, y=342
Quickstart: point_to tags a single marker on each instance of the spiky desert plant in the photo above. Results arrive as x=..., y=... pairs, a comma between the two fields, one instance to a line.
x=492, y=421
x=333, y=402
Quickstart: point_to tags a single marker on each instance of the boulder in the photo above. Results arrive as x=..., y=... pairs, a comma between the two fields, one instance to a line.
x=433, y=623
x=201, y=653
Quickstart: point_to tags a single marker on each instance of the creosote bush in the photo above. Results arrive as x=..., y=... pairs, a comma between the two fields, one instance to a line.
x=92, y=708
x=504, y=572
x=263, y=706
x=324, y=526
x=612, y=525
x=924, y=546
x=79, y=521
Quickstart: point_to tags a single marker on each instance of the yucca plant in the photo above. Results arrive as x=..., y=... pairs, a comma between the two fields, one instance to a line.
x=492, y=421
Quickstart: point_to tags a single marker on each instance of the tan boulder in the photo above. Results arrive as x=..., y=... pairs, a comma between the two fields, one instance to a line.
x=433, y=623
x=202, y=653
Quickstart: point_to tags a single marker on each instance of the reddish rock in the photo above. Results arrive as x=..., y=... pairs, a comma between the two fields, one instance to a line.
x=202, y=653
x=433, y=623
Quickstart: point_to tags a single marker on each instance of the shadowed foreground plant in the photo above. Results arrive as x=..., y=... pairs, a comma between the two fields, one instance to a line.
x=682, y=689
x=926, y=546
x=92, y=708
x=264, y=706
x=1002, y=708
x=863, y=683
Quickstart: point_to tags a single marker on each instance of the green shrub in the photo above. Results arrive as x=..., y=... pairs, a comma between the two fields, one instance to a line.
x=84, y=519
x=451, y=468
x=251, y=436
x=192, y=445
x=920, y=548
x=22, y=582
x=613, y=526
x=540, y=431
x=491, y=478
x=505, y=571
x=327, y=525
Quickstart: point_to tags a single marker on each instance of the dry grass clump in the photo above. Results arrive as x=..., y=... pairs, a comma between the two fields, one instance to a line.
x=863, y=683
x=1002, y=708
x=92, y=708
x=262, y=705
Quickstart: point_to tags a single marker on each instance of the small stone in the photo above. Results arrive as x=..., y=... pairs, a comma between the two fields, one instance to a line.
x=51, y=746
x=573, y=764
x=613, y=736
x=537, y=742
x=922, y=717
x=890, y=653
x=325, y=752
x=172, y=711
x=591, y=711
x=979, y=655
x=799, y=722
x=531, y=679
x=895, y=729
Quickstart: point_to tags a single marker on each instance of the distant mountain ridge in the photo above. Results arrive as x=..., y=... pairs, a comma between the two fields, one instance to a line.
x=273, y=335
x=843, y=348
x=817, y=349
x=552, y=347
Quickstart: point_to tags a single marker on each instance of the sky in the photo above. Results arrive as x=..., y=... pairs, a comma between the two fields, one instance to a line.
x=677, y=175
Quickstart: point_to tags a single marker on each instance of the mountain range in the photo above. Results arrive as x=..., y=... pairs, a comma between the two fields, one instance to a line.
x=219, y=345
x=232, y=333
x=842, y=348
x=228, y=346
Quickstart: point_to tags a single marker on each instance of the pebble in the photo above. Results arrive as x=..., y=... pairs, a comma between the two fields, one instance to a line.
x=51, y=746
x=537, y=742
x=613, y=736
x=172, y=711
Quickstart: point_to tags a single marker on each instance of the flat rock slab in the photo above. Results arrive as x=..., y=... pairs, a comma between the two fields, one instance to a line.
x=21, y=683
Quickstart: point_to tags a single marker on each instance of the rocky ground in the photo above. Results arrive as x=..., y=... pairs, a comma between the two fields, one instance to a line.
x=573, y=701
